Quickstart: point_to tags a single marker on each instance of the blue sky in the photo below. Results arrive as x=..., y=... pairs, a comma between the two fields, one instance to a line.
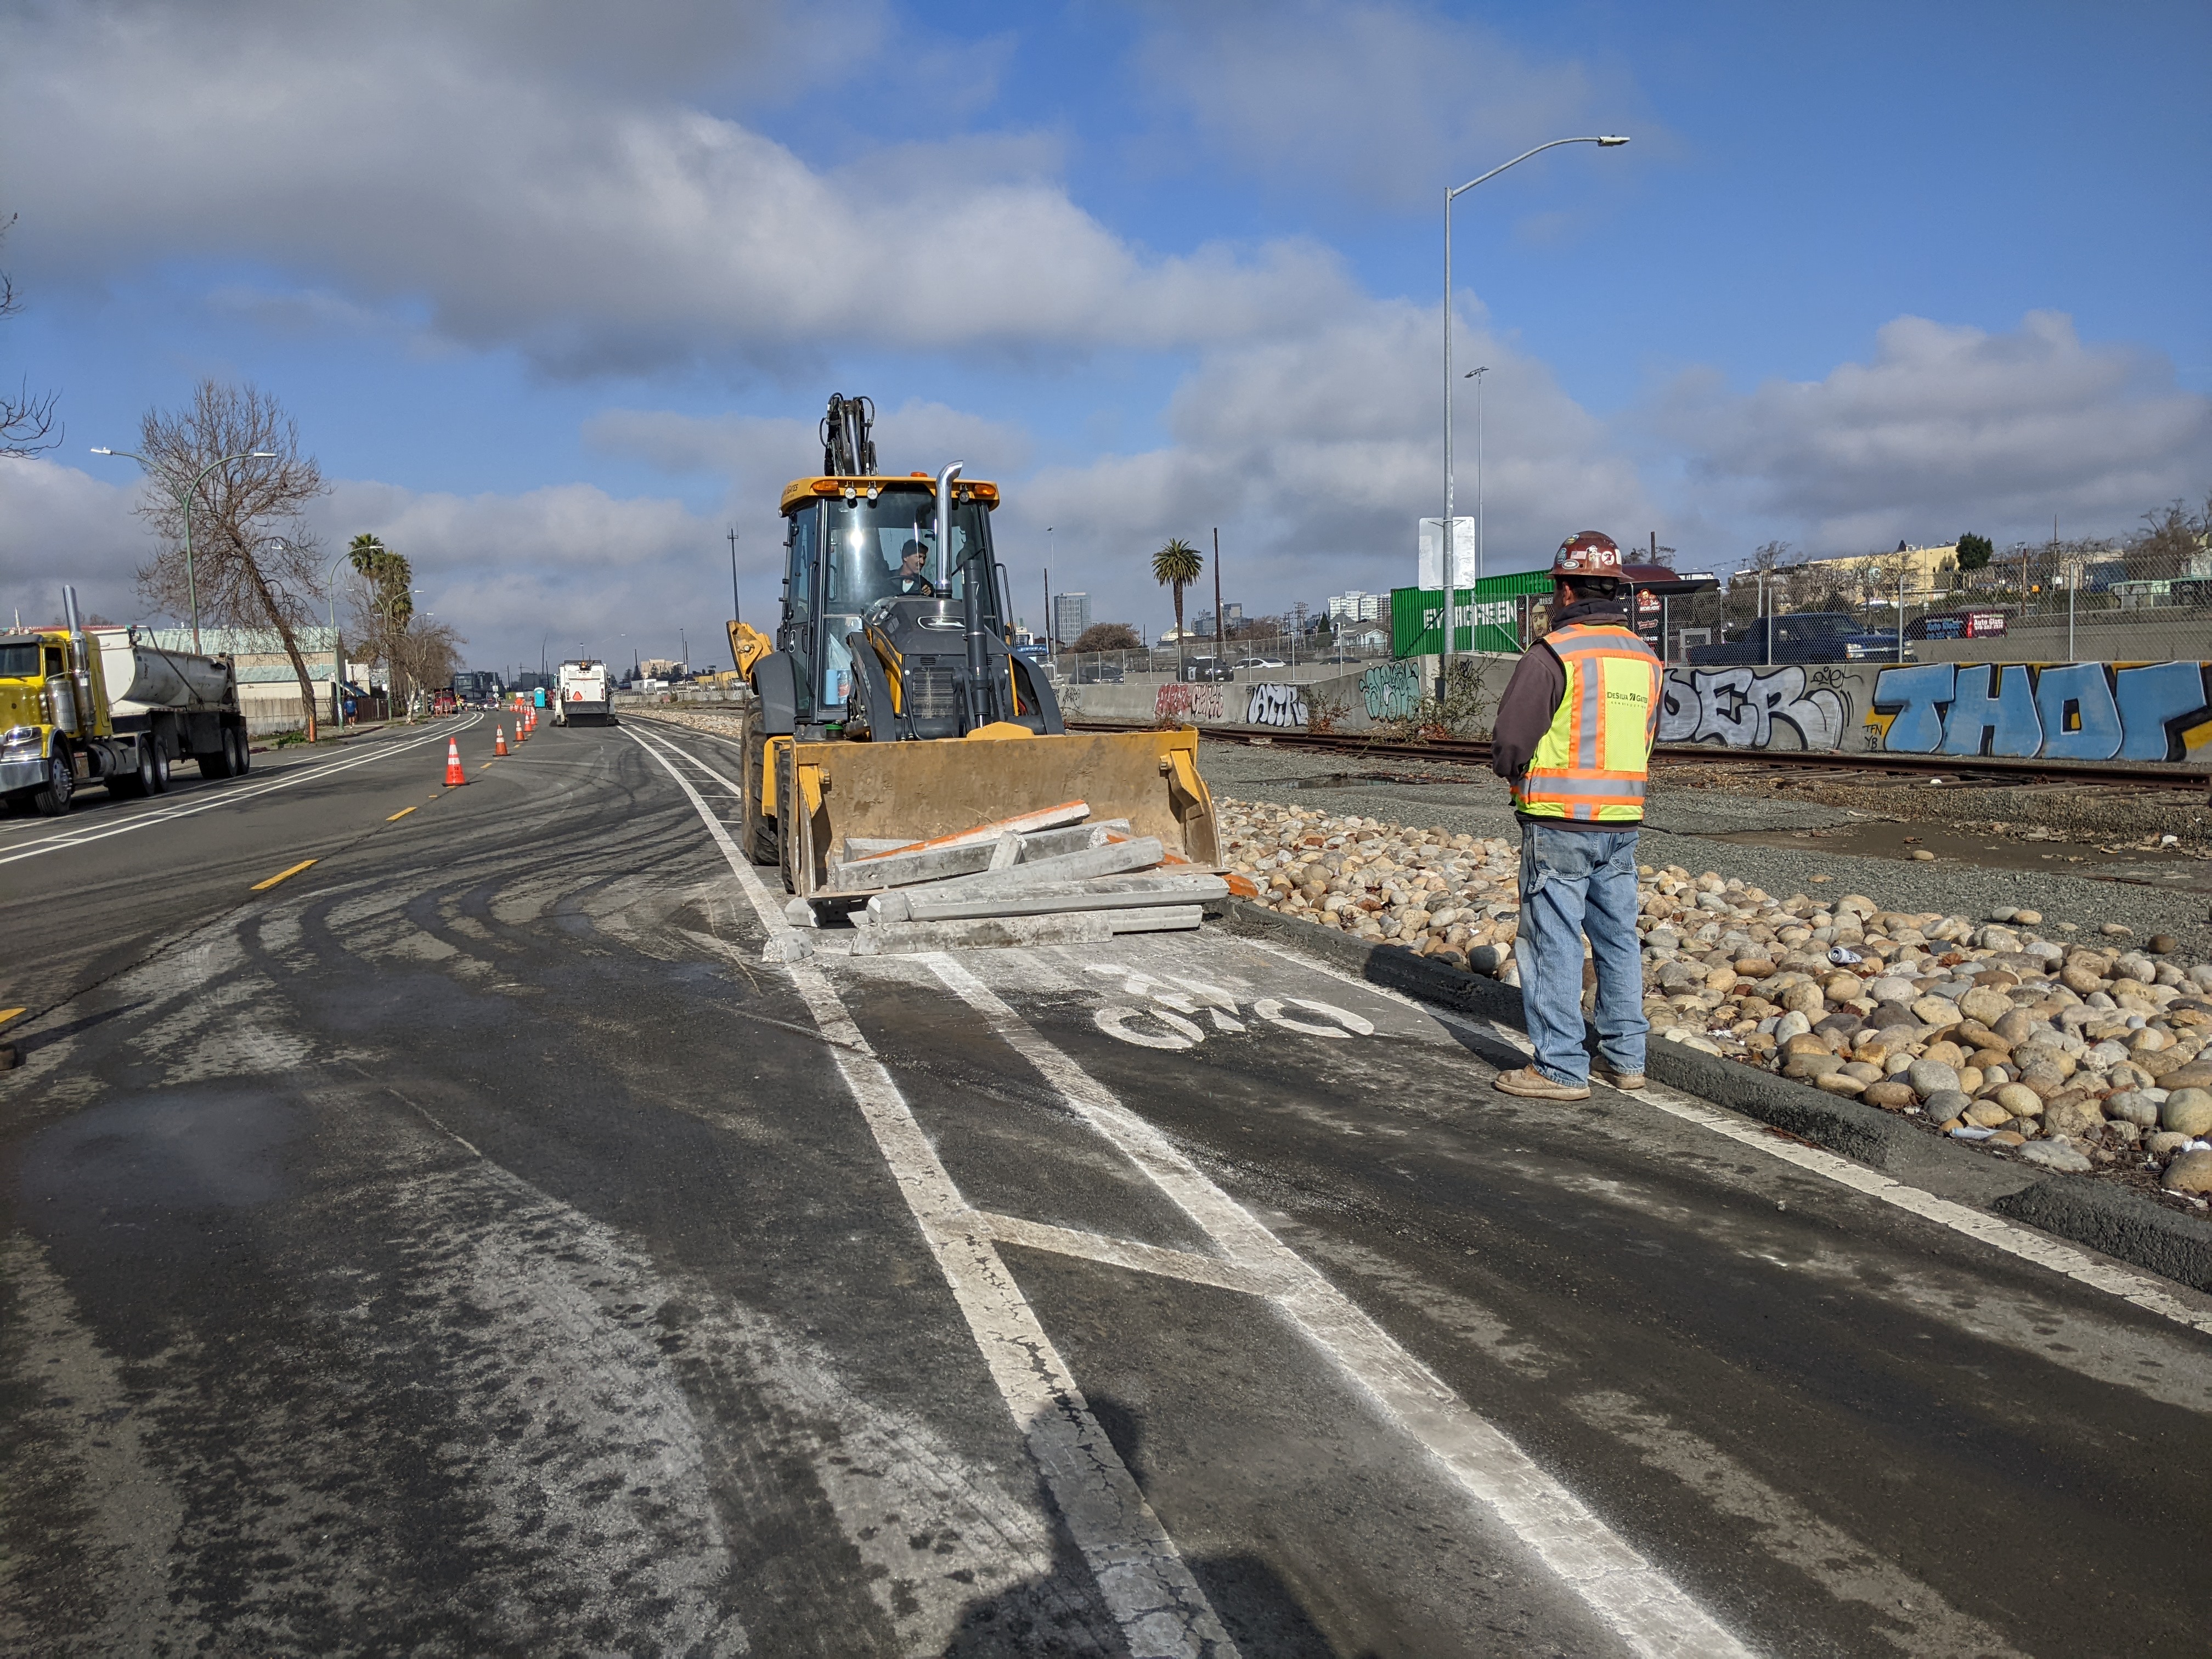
x=555, y=300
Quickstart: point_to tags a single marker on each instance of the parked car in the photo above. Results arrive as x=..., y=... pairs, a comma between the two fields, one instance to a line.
x=1805, y=636
x=1262, y=662
x=1207, y=669
x=1099, y=673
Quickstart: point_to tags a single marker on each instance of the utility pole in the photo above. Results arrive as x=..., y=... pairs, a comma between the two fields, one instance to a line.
x=1217, y=618
x=736, y=615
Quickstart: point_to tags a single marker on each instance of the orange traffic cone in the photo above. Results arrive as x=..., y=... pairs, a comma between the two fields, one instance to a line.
x=454, y=762
x=499, y=733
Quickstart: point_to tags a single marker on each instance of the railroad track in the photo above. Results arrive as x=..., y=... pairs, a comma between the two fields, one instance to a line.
x=1815, y=765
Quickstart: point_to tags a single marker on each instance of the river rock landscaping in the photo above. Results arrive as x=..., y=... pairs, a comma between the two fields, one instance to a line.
x=2082, y=1051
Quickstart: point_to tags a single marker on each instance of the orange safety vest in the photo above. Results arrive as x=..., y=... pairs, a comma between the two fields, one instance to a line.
x=1590, y=764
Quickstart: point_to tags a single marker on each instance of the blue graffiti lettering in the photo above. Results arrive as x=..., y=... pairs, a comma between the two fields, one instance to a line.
x=2155, y=703
x=2080, y=720
x=1979, y=724
x=1917, y=696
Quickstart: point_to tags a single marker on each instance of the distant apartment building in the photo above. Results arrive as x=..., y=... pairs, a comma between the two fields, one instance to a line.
x=1357, y=607
x=1071, y=617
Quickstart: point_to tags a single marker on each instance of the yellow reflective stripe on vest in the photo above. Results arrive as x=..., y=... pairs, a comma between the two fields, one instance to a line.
x=1590, y=765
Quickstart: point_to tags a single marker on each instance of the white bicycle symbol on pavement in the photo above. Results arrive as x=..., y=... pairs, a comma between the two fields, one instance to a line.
x=1169, y=1018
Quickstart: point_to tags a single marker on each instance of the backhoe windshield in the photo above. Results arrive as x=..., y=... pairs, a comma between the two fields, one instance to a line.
x=869, y=546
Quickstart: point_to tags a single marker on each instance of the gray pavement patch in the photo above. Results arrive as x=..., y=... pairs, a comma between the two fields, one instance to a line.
x=2122, y=1225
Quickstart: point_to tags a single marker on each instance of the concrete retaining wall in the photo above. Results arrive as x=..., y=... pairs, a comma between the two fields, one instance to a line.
x=2083, y=711
x=1349, y=703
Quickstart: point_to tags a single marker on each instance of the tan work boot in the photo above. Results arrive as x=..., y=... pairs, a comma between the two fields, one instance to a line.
x=1613, y=1077
x=1533, y=1084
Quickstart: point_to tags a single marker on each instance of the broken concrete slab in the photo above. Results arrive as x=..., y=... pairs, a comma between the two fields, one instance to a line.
x=1083, y=927
x=933, y=903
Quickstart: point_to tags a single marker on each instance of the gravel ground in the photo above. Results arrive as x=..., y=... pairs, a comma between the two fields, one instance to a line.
x=1960, y=997
x=1681, y=821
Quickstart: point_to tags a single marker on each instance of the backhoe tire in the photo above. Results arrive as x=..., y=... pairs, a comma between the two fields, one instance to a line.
x=759, y=840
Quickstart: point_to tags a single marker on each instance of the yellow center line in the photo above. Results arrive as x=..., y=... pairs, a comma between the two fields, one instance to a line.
x=282, y=875
x=394, y=818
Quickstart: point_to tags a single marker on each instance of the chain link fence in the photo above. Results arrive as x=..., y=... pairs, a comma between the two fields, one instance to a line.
x=1247, y=657
x=2061, y=601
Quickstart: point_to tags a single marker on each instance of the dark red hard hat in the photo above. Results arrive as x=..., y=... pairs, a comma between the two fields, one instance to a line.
x=1587, y=553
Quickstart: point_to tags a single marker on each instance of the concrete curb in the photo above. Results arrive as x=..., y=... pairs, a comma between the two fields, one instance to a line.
x=2123, y=1224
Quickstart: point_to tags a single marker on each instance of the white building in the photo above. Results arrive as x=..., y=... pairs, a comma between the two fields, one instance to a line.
x=1357, y=607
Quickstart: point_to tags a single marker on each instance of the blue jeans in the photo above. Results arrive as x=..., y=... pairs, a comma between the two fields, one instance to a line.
x=1571, y=879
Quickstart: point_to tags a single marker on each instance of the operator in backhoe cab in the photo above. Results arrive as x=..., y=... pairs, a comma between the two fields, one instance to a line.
x=912, y=584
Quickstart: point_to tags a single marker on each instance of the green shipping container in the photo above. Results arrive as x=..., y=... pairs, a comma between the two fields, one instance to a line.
x=1489, y=617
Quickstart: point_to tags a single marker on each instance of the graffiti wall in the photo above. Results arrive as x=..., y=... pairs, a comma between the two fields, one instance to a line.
x=1283, y=706
x=1791, y=706
x=1392, y=690
x=2083, y=711
x=1179, y=700
x=2159, y=711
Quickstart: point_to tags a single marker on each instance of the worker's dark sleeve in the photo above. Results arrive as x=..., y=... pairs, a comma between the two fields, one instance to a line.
x=1524, y=714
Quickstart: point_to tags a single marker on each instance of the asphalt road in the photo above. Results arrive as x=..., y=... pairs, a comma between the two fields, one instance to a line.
x=488, y=1240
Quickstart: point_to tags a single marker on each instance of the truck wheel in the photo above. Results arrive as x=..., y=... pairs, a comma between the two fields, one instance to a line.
x=53, y=799
x=241, y=752
x=161, y=764
x=139, y=781
x=215, y=763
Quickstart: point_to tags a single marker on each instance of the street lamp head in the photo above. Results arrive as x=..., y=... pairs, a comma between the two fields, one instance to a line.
x=271, y=454
x=1609, y=140
x=98, y=450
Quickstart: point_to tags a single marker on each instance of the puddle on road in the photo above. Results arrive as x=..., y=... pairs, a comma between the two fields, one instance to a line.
x=1884, y=839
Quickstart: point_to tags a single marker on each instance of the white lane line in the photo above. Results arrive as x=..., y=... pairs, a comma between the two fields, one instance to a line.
x=1191, y=1268
x=66, y=839
x=2139, y=1289
x=1649, y=1611
x=1142, y=1577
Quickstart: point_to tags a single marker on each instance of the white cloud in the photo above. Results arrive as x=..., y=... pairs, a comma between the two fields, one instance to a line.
x=1316, y=455
x=533, y=182
x=59, y=525
x=1949, y=428
x=761, y=453
x=606, y=572
x=1386, y=103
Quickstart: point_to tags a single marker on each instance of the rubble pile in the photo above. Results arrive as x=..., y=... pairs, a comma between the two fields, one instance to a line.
x=2075, y=1054
x=1056, y=876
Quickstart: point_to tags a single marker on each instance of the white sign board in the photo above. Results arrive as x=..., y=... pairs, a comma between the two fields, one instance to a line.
x=1431, y=573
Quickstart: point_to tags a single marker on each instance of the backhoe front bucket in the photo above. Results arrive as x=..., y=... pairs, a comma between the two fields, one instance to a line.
x=916, y=791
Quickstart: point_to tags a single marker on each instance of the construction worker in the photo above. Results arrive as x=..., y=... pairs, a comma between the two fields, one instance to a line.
x=1573, y=736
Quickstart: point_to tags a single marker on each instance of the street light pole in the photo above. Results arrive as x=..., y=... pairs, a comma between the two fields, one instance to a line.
x=1606, y=142
x=338, y=649
x=736, y=615
x=184, y=508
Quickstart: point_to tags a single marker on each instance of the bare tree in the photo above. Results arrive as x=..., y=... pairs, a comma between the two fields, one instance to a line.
x=2171, y=538
x=427, y=652
x=27, y=425
x=254, y=562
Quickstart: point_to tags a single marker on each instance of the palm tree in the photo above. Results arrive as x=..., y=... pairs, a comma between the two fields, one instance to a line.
x=1176, y=566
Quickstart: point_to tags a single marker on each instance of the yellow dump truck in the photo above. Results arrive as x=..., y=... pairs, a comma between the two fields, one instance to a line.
x=890, y=705
x=108, y=706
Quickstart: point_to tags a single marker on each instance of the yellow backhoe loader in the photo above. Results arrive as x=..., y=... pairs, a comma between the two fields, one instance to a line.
x=889, y=706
